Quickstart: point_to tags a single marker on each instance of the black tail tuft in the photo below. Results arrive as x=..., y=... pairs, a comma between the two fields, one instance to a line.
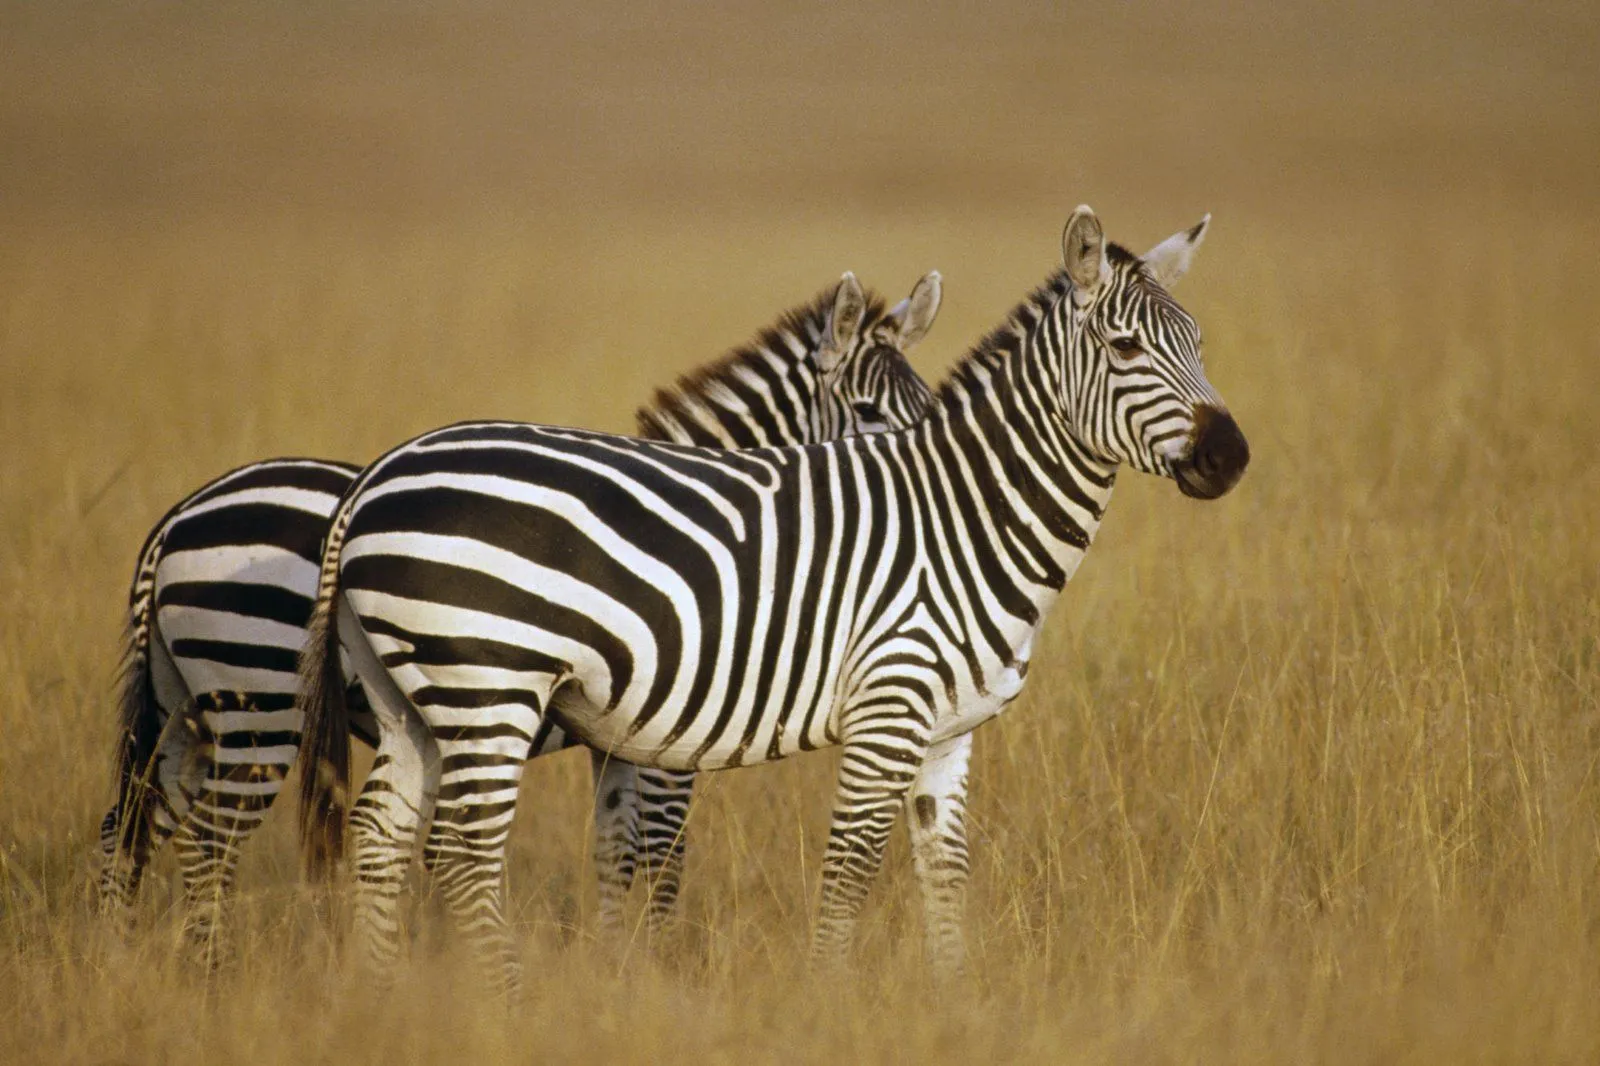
x=139, y=724
x=140, y=734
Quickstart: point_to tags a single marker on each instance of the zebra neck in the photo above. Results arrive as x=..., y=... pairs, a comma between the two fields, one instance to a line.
x=1000, y=428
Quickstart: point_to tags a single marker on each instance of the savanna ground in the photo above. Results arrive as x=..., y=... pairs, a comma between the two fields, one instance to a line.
x=1305, y=774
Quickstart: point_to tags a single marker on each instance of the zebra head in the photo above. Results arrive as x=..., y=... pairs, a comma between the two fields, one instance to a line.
x=1136, y=389
x=867, y=385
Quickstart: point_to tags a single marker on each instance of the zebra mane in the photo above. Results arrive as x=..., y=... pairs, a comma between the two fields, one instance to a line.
x=978, y=370
x=793, y=338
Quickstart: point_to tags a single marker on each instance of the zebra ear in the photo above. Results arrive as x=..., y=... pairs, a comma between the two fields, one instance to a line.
x=1169, y=260
x=844, y=322
x=1083, y=249
x=915, y=314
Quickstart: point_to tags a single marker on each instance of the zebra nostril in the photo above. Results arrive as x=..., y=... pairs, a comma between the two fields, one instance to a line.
x=1221, y=450
x=1218, y=454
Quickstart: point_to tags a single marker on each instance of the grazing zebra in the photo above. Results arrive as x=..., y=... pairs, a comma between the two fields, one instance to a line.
x=223, y=591
x=693, y=610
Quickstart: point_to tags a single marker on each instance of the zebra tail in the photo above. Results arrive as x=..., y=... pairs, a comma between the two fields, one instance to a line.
x=139, y=716
x=325, y=737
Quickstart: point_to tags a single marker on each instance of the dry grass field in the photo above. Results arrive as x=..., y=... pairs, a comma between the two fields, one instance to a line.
x=1308, y=774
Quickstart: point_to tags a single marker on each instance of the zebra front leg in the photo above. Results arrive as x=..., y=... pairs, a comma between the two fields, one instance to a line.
x=616, y=836
x=663, y=812
x=880, y=760
x=466, y=846
x=936, y=810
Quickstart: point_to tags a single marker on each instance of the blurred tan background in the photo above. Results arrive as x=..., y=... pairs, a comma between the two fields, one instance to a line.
x=1307, y=774
x=170, y=113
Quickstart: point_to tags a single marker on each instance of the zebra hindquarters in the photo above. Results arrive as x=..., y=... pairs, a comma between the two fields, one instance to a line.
x=454, y=742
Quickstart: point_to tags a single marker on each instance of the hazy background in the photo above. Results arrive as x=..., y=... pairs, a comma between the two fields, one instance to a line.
x=1305, y=774
x=169, y=112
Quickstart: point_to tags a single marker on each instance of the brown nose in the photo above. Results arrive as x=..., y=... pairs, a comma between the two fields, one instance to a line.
x=1218, y=458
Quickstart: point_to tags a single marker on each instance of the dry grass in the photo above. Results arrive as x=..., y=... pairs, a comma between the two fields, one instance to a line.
x=1308, y=774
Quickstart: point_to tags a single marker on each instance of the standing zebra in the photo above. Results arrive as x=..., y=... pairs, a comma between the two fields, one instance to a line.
x=223, y=591
x=693, y=610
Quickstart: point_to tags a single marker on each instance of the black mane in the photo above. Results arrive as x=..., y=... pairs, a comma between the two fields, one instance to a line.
x=805, y=322
x=989, y=353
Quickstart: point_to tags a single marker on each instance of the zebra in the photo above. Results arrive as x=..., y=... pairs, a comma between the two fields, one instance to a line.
x=224, y=586
x=696, y=610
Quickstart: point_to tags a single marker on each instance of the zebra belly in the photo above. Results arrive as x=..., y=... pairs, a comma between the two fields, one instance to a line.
x=969, y=715
x=607, y=735
x=741, y=745
x=969, y=707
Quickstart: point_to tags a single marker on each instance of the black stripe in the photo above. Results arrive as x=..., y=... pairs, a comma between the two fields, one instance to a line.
x=469, y=698
x=454, y=586
x=248, y=738
x=432, y=650
x=249, y=656
x=288, y=528
x=272, y=602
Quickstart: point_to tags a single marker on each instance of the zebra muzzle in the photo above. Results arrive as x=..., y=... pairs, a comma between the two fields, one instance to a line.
x=1217, y=458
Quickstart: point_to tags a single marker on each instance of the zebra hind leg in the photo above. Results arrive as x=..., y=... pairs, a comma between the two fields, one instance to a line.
x=237, y=785
x=144, y=817
x=615, y=847
x=466, y=851
x=663, y=813
x=936, y=811
x=395, y=802
x=883, y=746
x=124, y=857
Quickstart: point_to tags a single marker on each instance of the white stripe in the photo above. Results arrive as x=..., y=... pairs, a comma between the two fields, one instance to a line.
x=178, y=622
x=293, y=499
x=248, y=564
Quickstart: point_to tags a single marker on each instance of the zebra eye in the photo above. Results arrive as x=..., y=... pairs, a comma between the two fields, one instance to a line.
x=1128, y=345
x=867, y=412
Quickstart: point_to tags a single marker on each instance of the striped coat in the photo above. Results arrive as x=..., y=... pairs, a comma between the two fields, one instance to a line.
x=691, y=609
x=223, y=590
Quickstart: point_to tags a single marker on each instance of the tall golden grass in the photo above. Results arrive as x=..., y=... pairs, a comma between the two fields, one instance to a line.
x=1306, y=774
